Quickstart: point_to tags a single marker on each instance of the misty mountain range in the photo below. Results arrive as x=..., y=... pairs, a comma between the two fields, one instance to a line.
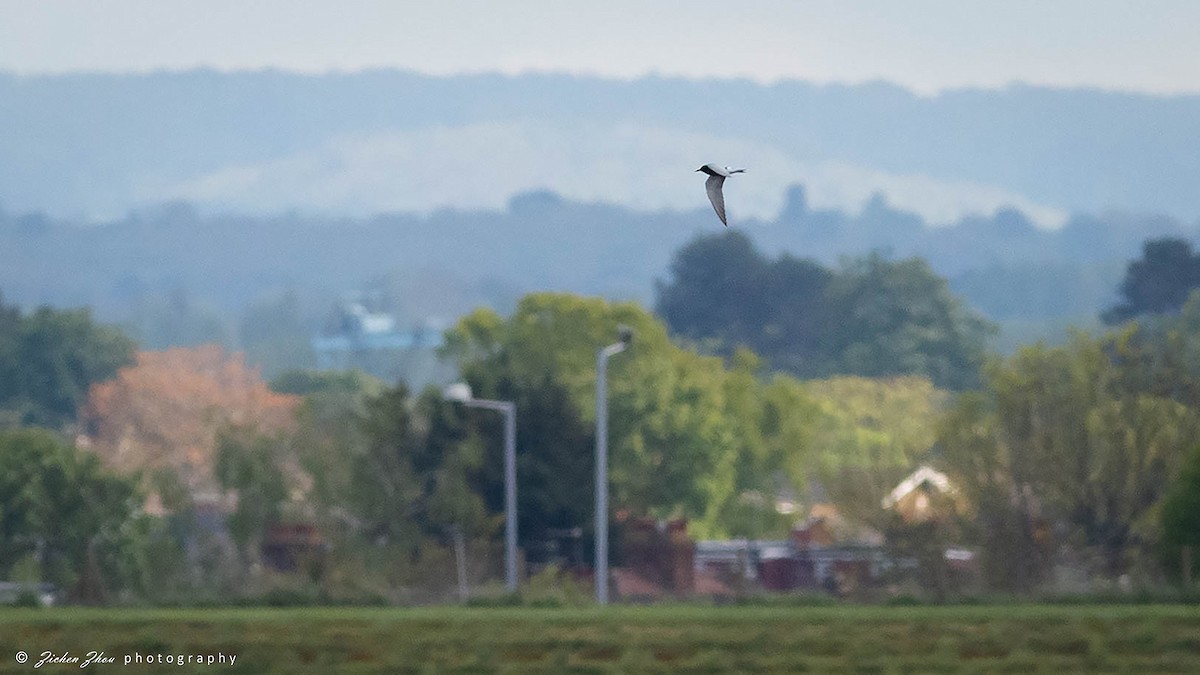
x=94, y=146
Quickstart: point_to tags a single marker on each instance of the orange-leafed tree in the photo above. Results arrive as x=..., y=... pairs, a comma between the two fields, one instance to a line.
x=162, y=415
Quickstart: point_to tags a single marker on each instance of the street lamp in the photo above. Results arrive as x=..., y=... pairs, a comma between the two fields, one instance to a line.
x=625, y=334
x=460, y=392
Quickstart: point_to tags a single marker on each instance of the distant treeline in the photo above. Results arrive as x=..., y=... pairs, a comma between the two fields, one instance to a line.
x=448, y=262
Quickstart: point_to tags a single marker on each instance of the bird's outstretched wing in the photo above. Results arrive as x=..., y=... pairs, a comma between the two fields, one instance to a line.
x=713, y=185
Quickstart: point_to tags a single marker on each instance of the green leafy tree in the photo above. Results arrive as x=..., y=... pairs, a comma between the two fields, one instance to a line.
x=254, y=467
x=675, y=451
x=453, y=490
x=724, y=293
x=716, y=290
x=318, y=383
x=76, y=522
x=1160, y=355
x=761, y=416
x=1181, y=519
x=674, y=448
x=866, y=436
x=791, y=421
x=792, y=334
x=555, y=462
x=997, y=478
x=330, y=436
x=386, y=474
x=873, y=317
x=417, y=471
x=10, y=365
x=1058, y=443
x=897, y=318
x=49, y=359
x=1157, y=283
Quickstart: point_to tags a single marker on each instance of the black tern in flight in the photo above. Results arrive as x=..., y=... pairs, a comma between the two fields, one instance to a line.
x=716, y=178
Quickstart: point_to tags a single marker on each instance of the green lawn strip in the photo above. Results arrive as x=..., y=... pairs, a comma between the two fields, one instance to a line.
x=1014, y=638
x=657, y=614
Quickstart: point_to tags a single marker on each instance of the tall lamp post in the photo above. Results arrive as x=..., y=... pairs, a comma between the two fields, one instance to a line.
x=626, y=337
x=460, y=392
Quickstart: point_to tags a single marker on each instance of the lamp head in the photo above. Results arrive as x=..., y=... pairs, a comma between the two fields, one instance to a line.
x=459, y=392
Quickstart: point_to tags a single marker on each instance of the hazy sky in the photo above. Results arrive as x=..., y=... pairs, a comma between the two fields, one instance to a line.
x=928, y=45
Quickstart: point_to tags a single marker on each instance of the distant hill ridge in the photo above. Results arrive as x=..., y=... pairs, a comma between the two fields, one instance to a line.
x=452, y=260
x=93, y=146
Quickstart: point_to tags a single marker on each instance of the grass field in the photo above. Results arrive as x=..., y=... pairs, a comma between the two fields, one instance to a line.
x=841, y=639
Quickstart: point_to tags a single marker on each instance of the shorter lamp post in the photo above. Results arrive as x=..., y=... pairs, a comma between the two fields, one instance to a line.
x=460, y=392
x=625, y=334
